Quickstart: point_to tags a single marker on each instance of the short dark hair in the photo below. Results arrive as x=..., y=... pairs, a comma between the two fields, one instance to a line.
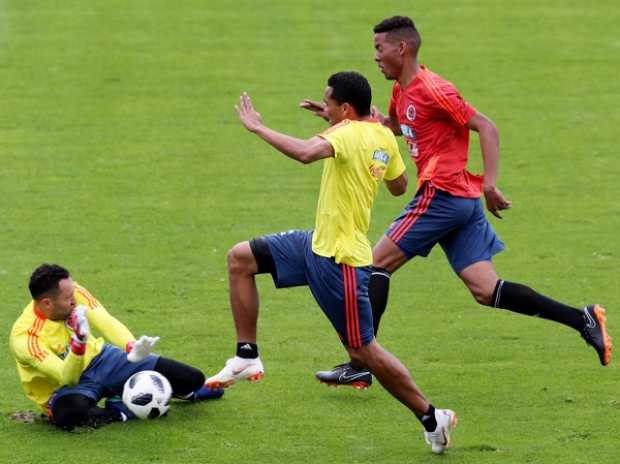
x=352, y=88
x=44, y=280
x=400, y=28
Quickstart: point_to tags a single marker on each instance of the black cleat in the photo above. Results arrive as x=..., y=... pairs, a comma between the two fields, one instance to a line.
x=595, y=333
x=345, y=374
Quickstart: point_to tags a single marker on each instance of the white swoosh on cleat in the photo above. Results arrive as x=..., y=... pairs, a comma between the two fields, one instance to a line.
x=347, y=378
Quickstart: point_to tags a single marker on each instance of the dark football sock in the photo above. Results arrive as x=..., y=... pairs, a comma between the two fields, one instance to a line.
x=247, y=350
x=378, y=289
x=522, y=299
x=428, y=419
x=184, y=379
x=357, y=367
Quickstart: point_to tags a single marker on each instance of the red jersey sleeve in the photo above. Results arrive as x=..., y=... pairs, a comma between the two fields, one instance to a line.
x=449, y=101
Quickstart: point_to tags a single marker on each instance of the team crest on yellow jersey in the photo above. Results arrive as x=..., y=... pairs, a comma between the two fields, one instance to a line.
x=377, y=172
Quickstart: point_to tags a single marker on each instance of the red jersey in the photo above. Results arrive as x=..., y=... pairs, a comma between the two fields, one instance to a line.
x=432, y=117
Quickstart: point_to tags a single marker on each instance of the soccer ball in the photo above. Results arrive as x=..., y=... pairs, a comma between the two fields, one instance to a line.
x=147, y=394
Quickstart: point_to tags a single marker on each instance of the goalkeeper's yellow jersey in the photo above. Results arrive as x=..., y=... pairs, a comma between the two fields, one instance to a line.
x=42, y=352
x=365, y=153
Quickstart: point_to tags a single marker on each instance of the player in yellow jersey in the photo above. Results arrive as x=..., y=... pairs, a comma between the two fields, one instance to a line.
x=66, y=370
x=334, y=259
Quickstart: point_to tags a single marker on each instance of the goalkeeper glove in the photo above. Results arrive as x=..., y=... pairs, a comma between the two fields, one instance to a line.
x=78, y=322
x=141, y=348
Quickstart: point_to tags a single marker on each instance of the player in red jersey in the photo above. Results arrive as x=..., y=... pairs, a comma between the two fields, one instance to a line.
x=446, y=209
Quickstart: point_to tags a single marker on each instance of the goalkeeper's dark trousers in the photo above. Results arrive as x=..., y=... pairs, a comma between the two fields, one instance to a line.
x=75, y=410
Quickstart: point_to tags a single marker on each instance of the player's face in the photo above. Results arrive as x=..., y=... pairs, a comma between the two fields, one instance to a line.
x=388, y=56
x=335, y=111
x=63, y=302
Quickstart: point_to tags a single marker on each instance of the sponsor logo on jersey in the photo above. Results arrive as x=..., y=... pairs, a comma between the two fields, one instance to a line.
x=380, y=155
x=407, y=131
x=410, y=138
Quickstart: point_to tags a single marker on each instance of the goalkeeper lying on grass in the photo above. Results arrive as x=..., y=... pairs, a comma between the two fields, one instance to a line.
x=66, y=370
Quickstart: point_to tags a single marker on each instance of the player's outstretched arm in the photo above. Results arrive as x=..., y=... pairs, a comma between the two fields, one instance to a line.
x=489, y=146
x=304, y=151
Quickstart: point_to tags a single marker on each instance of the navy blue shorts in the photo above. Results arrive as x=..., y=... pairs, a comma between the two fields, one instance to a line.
x=105, y=376
x=457, y=223
x=340, y=290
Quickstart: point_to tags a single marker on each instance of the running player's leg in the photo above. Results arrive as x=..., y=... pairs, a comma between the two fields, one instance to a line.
x=470, y=250
x=392, y=374
x=387, y=258
x=396, y=379
x=341, y=292
x=488, y=289
x=243, y=295
x=414, y=233
x=278, y=254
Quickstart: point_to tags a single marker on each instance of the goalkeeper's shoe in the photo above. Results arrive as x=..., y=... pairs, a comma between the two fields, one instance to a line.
x=116, y=404
x=439, y=439
x=237, y=369
x=594, y=332
x=346, y=374
x=206, y=393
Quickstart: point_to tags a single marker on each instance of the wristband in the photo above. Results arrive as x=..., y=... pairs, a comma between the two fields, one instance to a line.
x=78, y=347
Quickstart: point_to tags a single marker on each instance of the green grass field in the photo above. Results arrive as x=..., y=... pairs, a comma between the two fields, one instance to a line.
x=122, y=159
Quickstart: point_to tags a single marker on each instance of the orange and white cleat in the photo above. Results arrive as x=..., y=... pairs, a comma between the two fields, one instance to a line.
x=237, y=369
x=594, y=332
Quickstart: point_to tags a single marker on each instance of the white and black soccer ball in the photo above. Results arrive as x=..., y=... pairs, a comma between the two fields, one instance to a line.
x=147, y=394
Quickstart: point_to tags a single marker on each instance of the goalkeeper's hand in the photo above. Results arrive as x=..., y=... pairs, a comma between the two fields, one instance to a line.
x=78, y=322
x=141, y=348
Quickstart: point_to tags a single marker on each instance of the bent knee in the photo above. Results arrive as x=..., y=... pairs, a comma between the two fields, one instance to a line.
x=482, y=295
x=70, y=411
x=240, y=259
x=387, y=255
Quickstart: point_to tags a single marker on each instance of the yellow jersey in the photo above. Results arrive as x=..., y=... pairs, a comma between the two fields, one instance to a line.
x=41, y=347
x=365, y=153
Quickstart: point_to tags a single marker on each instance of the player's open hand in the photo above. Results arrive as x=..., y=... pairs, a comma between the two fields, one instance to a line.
x=495, y=200
x=248, y=116
x=142, y=348
x=318, y=108
x=78, y=322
